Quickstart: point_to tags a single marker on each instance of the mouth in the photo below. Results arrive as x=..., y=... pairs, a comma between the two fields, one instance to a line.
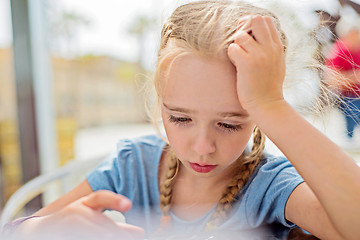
x=202, y=168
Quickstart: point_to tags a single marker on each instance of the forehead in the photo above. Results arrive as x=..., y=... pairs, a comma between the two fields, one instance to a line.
x=200, y=83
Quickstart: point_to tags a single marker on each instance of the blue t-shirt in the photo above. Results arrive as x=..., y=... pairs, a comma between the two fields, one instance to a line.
x=133, y=172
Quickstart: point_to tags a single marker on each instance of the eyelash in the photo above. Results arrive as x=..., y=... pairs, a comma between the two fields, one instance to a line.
x=181, y=121
x=229, y=127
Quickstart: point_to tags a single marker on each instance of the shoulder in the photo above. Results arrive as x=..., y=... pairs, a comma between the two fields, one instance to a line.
x=140, y=149
x=274, y=177
x=278, y=172
x=271, y=166
x=135, y=159
x=144, y=142
x=268, y=189
x=275, y=163
x=271, y=172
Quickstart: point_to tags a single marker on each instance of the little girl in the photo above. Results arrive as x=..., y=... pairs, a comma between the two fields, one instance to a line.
x=219, y=78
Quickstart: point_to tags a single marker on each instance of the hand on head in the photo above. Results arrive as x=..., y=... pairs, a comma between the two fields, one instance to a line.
x=260, y=62
x=83, y=219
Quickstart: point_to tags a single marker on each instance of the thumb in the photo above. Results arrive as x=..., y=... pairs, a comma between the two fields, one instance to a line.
x=104, y=199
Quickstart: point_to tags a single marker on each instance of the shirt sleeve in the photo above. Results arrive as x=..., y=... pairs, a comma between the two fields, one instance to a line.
x=111, y=173
x=132, y=171
x=269, y=191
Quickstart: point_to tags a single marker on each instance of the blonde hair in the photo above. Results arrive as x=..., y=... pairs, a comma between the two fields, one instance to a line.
x=207, y=28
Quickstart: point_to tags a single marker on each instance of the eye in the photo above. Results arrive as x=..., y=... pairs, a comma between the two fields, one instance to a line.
x=179, y=120
x=229, y=127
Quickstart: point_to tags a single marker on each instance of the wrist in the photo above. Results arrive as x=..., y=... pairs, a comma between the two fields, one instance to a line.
x=260, y=110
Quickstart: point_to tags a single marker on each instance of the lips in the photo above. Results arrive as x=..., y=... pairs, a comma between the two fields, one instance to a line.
x=202, y=168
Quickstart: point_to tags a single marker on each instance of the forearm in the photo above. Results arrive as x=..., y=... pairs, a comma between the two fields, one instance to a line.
x=331, y=174
x=83, y=189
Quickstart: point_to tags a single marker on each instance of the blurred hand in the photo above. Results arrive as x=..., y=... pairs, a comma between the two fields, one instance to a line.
x=260, y=62
x=83, y=219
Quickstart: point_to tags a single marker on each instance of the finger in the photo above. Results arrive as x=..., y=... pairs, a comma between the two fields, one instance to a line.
x=261, y=30
x=236, y=54
x=275, y=35
x=244, y=23
x=245, y=41
x=103, y=199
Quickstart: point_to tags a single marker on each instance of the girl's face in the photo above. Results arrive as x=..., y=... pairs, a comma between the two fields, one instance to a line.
x=205, y=124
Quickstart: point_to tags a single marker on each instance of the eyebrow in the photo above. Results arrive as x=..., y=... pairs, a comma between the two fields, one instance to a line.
x=222, y=114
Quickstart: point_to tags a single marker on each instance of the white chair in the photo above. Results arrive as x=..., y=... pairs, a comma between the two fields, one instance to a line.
x=62, y=180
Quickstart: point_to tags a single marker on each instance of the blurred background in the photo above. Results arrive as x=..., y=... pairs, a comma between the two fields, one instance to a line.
x=71, y=74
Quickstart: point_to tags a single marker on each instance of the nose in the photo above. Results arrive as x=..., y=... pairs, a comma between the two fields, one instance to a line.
x=203, y=144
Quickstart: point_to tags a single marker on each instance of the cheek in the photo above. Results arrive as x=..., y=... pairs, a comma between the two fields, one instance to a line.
x=234, y=149
x=169, y=127
x=177, y=142
x=175, y=135
x=234, y=146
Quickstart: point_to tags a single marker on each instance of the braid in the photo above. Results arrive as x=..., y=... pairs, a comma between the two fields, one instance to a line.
x=166, y=186
x=245, y=167
x=257, y=147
